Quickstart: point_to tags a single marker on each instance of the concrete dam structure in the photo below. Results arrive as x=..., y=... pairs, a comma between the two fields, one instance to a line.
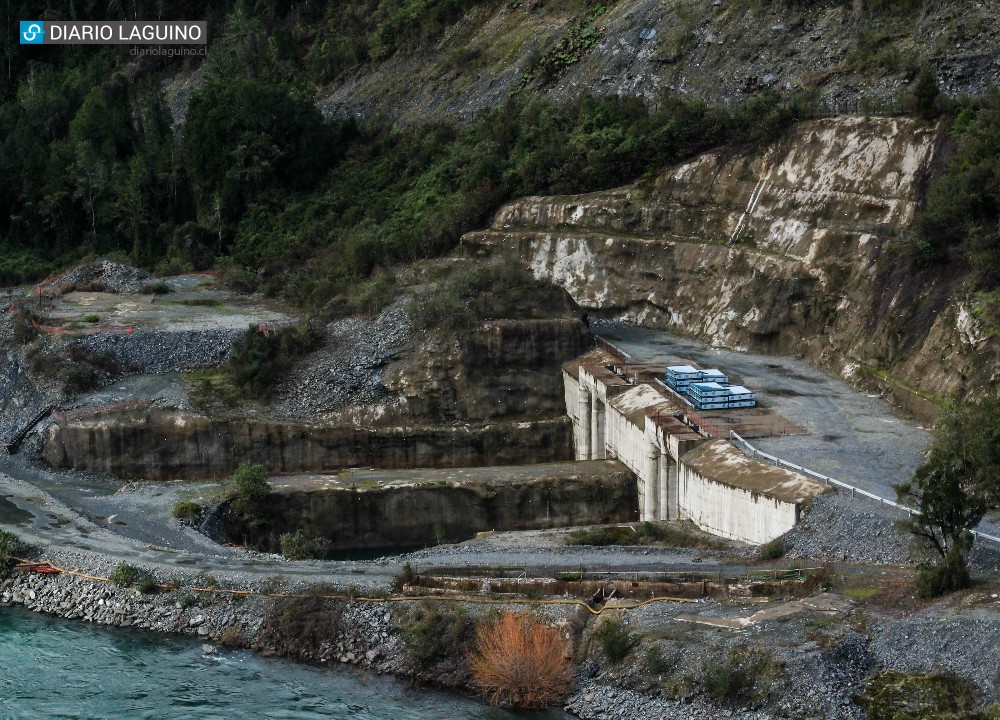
x=619, y=413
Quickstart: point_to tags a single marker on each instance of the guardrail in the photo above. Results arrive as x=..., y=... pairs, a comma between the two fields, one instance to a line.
x=756, y=454
x=613, y=349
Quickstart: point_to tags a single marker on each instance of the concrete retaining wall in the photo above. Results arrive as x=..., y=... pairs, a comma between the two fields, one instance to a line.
x=733, y=513
x=728, y=494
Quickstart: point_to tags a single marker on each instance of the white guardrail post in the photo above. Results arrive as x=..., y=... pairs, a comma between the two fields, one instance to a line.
x=748, y=449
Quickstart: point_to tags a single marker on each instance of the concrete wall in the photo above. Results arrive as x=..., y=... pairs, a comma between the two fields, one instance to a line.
x=571, y=391
x=725, y=493
x=626, y=441
x=733, y=513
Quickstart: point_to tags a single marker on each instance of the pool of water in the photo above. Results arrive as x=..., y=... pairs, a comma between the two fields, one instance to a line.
x=11, y=514
x=52, y=668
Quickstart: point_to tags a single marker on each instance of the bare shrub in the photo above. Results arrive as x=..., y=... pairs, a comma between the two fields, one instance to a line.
x=521, y=662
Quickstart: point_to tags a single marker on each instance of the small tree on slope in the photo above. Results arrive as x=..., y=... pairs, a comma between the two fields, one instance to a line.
x=953, y=490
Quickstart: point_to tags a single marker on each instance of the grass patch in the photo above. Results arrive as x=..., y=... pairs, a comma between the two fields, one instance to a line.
x=680, y=535
x=186, y=510
x=11, y=548
x=773, y=550
x=433, y=632
x=200, y=302
x=78, y=368
x=260, y=358
x=861, y=594
x=210, y=388
x=742, y=677
x=300, y=627
x=154, y=288
x=898, y=696
x=127, y=575
x=299, y=546
x=615, y=639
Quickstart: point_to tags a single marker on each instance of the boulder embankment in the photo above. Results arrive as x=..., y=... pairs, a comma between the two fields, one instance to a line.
x=364, y=636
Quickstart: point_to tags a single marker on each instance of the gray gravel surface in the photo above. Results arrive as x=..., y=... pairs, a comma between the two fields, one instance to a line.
x=962, y=641
x=348, y=368
x=159, y=351
x=840, y=528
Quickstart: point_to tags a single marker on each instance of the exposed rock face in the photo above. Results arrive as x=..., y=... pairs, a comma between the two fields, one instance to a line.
x=164, y=445
x=789, y=250
x=505, y=369
x=406, y=515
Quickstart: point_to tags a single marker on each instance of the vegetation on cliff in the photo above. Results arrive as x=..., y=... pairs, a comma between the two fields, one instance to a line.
x=961, y=218
x=248, y=486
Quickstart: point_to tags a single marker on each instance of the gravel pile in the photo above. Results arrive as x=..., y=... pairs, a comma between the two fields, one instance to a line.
x=840, y=528
x=985, y=557
x=962, y=642
x=366, y=636
x=108, y=276
x=146, y=351
x=809, y=680
x=106, y=604
x=348, y=368
x=21, y=398
x=600, y=702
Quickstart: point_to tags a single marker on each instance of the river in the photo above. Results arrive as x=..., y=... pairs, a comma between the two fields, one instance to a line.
x=51, y=668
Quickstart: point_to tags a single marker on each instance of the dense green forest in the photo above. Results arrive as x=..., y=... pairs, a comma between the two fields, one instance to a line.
x=262, y=186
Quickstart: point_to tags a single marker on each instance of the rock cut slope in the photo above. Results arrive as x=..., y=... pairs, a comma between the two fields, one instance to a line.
x=790, y=249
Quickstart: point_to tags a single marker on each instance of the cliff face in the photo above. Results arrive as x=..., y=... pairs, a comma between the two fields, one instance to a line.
x=793, y=249
x=407, y=515
x=502, y=369
x=165, y=445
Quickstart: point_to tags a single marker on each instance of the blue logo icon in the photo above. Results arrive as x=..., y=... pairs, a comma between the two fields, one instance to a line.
x=32, y=32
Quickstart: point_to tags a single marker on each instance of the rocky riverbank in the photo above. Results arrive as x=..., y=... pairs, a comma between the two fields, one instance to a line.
x=806, y=658
x=365, y=636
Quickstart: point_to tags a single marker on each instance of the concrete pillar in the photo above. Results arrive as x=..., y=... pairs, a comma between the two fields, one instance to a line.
x=598, y=443
x=650, y=486
x=583, y=424
x=664, y=487
x=668, y=488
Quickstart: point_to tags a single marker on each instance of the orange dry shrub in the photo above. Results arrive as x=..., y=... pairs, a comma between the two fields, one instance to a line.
x=520, y=662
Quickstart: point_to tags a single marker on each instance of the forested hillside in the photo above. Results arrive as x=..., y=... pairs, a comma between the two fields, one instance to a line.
x=259, y=183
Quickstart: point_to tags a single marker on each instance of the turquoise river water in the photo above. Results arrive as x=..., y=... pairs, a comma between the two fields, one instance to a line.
x=52, y=668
